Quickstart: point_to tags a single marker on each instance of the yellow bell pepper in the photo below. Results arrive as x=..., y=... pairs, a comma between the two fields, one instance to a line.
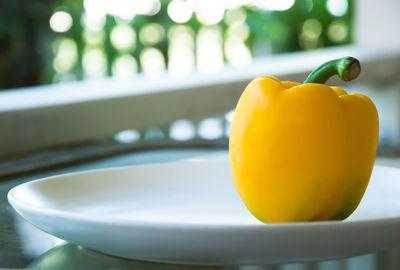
x=303, y=152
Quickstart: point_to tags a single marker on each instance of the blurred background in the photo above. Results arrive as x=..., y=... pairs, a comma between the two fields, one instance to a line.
x=169, y=71
x=89, y=84
x=53, y=41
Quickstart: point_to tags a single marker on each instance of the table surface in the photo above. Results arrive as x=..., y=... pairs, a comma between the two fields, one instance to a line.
x=24, y=246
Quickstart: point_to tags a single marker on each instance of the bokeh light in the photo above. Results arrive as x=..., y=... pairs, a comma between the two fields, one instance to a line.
x=124, y=66
x=337, y=7
x=94, y=37
x=95, y=8
x=312, y=27
x=182, y=130
x=152, y=61
x=237, y=52
x=278, y=5
x=338, y=31
x=210, y=129
x=209, y=12
x=123, y=37
x=66, y=55
x=209, y=49
x=181, y=57
x=151, y=34
x=182, y=35
x=307, y=41
x=239, y=31
x=154, y=134
x=127, y=136
x=235, y=17
x=310, y=34
x=190, y=35
x=60, y=22
x=94, y=62
x=233, y=4
x=151, y=8
x=179, y=11
x=181, y=61
x=229, y=116
x=93, y=22
x=124, y=9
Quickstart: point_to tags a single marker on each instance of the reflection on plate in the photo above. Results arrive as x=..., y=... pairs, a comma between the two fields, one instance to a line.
x=189, y=212
x=70, y=256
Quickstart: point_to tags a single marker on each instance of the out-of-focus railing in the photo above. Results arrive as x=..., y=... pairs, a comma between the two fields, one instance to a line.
x=166, y=107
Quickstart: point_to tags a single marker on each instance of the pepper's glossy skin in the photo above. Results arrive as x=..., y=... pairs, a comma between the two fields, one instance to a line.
x=302, y=152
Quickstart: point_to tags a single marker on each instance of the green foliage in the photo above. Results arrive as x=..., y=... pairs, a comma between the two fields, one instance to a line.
x=28, y=46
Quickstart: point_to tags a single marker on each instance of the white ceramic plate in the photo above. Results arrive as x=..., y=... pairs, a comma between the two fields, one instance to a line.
x=189, y=212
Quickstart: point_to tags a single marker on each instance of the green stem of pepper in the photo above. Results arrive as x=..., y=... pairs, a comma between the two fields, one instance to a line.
x=347, y=68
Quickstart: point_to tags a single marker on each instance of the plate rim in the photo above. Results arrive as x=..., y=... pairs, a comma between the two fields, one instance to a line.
x=18, y=204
